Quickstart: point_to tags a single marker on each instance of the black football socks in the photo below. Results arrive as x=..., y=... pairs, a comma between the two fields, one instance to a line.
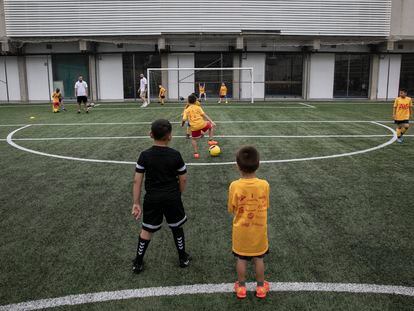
x=141, y=248
x=178, y=234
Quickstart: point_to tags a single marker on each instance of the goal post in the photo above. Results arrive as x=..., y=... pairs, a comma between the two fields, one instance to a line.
x=182, y=81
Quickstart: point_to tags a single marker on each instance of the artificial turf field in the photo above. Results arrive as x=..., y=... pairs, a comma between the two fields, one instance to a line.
x=66, y=228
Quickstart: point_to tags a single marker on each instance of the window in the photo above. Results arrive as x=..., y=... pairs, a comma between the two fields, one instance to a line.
x=135, y=64
x=407, y=73
x=284, y=74
x=351, y=75
x=66, y=70
x=213, y=79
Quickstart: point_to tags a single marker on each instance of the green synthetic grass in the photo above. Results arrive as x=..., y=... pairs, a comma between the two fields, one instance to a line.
x=65, y=226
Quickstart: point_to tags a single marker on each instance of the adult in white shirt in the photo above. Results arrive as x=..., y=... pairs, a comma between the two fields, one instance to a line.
x=143, y=90
x=81, y=93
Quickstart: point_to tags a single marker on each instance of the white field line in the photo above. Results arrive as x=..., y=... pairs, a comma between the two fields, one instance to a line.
x=194, y=289
x=390, y=141
x=218, y=122
x=307, y=105
x=206, y=107
x=167, y=105
x=217, y=136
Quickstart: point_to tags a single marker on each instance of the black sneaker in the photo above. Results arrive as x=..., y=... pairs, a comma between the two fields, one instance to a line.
x=137, y=267
x=78, y=111
x=185, y=260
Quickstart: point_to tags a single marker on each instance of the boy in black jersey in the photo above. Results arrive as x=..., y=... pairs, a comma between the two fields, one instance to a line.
x=165, y=180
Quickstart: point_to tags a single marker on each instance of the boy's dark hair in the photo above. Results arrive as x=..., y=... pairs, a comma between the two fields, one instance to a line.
x=57, y=90
x=192, y=99
x=248, y=159
x=404, y=90
x=160, y=129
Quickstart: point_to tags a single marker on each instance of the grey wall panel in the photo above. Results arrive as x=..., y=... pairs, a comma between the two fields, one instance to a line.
x=152, y=17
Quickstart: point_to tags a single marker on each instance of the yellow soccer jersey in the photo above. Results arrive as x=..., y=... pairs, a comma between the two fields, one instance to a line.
x=188, y=105
x=223, y=90
x=162, y=92
x=402, y=106
x=201, y=89
x=195, y=116
x=248, y=201
x=56, y=97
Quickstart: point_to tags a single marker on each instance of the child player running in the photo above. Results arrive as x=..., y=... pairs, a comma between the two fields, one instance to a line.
x=200, y=123
x=187, y=130
x=248, y=201
x=165, y=180
x=402, y=111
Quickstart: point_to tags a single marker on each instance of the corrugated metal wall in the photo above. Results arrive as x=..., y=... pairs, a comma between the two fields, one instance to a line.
x=147, y=17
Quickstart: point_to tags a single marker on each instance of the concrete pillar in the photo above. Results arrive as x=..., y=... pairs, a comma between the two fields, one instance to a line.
x=164, y=74
x=373, y=88
x=236, y=76
x=24, y=92
x=4, y=46
x=93, y=82
x=306, y=75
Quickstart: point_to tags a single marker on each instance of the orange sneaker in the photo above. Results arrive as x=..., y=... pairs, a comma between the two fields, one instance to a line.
x=241, y=291
x=196, y=155
x=261, y=291
x=212, y=142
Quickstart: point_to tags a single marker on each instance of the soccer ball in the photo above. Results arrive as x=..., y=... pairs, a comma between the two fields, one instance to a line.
x=92, y=104
x=214, y=151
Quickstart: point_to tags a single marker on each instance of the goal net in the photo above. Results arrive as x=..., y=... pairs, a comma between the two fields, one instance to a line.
x=181, y=82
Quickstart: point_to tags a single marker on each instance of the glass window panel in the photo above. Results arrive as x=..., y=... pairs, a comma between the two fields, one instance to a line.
x=67, y=68
x=284, y=74
x=351, y=75
x=407, y=73
x=135, y=64
x=213, y=79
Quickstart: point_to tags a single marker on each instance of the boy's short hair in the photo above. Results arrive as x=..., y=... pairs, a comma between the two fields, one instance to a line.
x=57, y=90
x=192, y=99
x=247, y=159
x=403, y=90
x=160, y=129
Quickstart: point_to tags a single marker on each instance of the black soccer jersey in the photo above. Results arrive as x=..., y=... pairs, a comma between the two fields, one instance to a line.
x=161, y=166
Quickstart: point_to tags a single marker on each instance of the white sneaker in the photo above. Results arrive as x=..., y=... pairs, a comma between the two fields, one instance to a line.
x=144, y=105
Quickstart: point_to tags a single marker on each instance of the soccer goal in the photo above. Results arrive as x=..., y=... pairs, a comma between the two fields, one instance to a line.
x=180, y=82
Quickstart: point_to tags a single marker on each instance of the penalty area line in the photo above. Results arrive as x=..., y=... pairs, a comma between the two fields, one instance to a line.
x=80, y=299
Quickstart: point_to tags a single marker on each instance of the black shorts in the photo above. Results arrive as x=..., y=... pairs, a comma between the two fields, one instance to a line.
x=248, y=258
x=401, y=121
x=82, y=99
x=153, y=214
x=162, y=97
x=223, y=96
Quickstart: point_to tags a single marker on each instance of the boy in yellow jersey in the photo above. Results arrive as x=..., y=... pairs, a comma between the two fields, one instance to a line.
x=161, y=94
x=402, y=111
x=248, y=202
x=199, y=123
x=56, y=98
x=188, y=130
x=202, y=91
x=223, y=92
